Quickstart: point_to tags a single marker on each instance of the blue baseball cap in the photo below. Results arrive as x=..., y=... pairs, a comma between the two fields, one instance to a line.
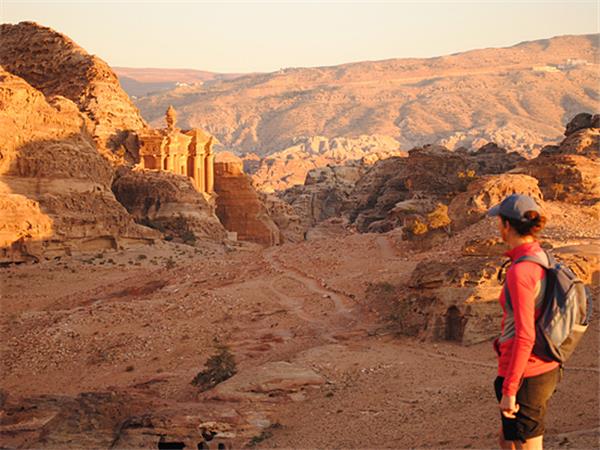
x=515, y=206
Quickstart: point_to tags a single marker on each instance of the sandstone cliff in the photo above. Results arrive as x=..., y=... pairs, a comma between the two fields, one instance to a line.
x=292, y=226
x=104, y=120
x=56, y=196
x=55, y=65
x=238, y=205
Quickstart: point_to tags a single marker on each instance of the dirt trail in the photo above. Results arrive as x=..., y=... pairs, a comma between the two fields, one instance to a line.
x=343, y=305
x=386, y=248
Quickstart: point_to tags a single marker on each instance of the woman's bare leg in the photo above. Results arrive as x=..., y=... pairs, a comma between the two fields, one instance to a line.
x=505, y=445
x=535, y=443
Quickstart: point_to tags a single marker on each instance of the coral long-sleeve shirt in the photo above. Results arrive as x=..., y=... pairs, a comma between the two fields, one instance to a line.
x=521, y=301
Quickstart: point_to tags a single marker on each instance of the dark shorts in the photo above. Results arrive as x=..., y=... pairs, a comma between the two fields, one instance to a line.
x=532, y=398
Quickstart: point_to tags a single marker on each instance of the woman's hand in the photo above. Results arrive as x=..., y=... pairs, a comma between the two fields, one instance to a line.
x=508, y=406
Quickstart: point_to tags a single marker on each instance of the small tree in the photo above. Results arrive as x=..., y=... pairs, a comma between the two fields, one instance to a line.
x=218, y=368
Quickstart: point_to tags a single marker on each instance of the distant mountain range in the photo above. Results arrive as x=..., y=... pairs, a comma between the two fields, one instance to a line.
x=143, y=81
x=519, y=97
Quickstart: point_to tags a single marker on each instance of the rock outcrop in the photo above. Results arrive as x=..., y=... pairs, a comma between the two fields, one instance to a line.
x=397, y=189
x=289, y=167
x=569, y=171
x=471, y=206
x=325, y=194
x=384, y=195
x=55, y=65
x=290, y=223
x=463, y=297
x=454, y=300
x=56, y=197
x=69, y=128
x=238, y=206
x=169, y=203
x=581, y=121
x=262, y=383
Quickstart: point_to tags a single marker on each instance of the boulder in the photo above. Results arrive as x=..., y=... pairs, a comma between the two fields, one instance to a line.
x=267, y=382
x=581, y=121
x=488, y=190
x=568, y=172
x=584, y=142
x=169, y=203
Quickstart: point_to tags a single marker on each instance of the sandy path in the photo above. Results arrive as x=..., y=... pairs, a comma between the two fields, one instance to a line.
x=344, y=305
x=385, y=246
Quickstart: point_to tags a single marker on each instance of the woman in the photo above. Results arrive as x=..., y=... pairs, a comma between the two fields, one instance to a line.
x=525, y=381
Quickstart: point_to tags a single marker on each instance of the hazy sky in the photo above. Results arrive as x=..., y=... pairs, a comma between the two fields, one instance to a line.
x=266, y=36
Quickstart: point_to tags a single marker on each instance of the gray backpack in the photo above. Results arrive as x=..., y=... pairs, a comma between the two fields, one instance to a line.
x=566, y=311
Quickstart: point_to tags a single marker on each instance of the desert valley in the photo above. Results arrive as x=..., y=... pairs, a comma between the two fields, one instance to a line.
x=297, y=259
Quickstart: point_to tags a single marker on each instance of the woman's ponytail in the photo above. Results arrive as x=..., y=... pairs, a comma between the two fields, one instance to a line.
x=531, y=224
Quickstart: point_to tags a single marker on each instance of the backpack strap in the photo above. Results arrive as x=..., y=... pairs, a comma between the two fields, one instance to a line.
x=547, y=264
x=502, y=271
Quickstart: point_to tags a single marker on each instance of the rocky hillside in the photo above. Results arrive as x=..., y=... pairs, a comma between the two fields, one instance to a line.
x=518, y=97
x=289, y=167
x=55, y=188
x=434, y=188
x=55, y=65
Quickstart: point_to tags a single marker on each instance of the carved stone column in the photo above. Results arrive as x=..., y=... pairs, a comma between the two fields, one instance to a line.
x=210, y=174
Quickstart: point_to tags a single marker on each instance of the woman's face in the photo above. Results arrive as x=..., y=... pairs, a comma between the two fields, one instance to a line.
x=503, y=228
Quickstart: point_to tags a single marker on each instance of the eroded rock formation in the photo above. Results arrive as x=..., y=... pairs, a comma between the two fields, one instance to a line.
x=55, y=65
x=169, y=203
x=569, y=171
x=325, y=193
x=56, y=197
x=89, y=109
x=398, y=189
x=290, y=223
x=291, y=166
x=238, y=205
x=471, y=206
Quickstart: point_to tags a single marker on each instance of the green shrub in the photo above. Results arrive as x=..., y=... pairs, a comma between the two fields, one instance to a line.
x=218, y=368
